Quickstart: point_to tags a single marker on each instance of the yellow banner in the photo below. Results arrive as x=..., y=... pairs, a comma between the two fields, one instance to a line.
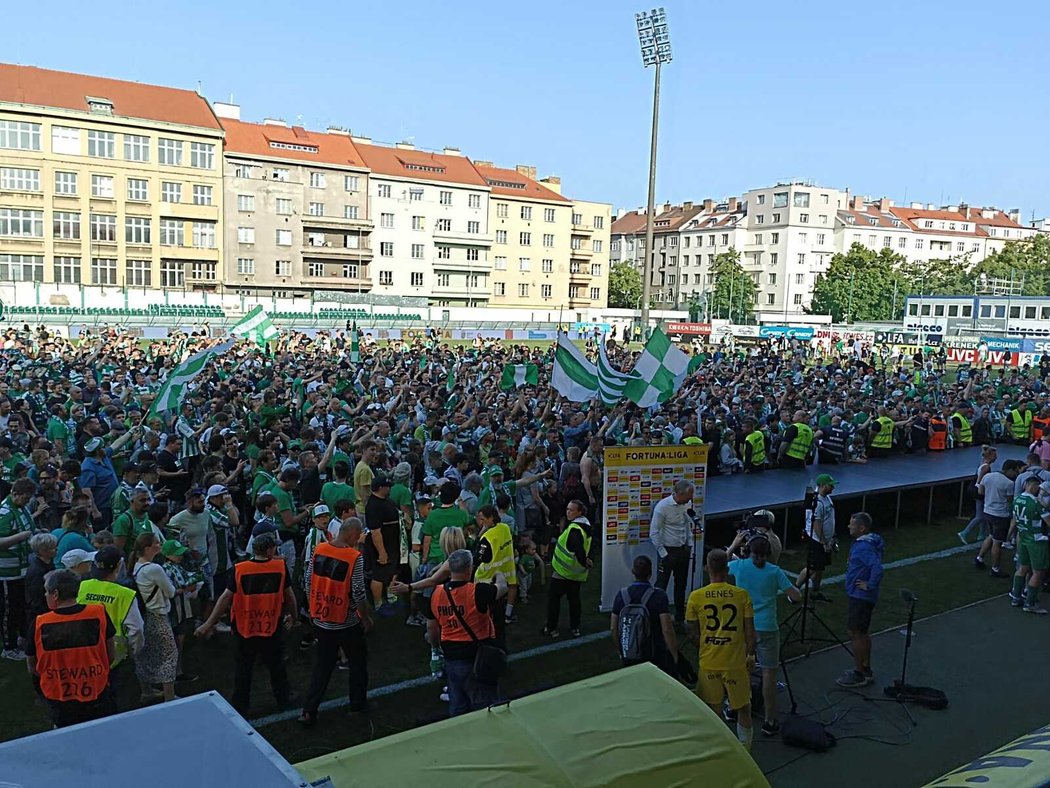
x=1023, y=763
x=625, y=456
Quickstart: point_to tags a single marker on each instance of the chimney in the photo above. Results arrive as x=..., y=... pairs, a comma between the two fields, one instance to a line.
x=667, y=207
x=552, y=182
x=687, y=206
x=916, y=206
x=1015, y=215
x=987, y=213
x=527, y=170
x=361, y=140
x=709, y=204
x=404, y=145
x=951, y=208
x=885, y=204
x=225, y=109
x=274, y=122
x=452, y=152
x=964, y=209
x=621, y=212
x=859, y=201
x=732, y=204
x=480, y=163
x=929, y=206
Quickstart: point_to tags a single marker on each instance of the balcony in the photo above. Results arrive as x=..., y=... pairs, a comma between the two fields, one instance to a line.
x=581, y=253
x=580, y=277
x=332, y=277
x=461, y=290
x=582, y=229
x=579, y=302
x=455, y=237
x=462, y=265
x=331, y=249
x=337, y=223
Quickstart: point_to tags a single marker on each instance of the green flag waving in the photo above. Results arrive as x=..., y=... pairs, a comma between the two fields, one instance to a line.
x=658, y=373
x=257, y=326
x=518, y=375
x=176, y=386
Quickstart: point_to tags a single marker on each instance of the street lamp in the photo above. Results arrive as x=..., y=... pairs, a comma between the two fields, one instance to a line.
x=655, y=40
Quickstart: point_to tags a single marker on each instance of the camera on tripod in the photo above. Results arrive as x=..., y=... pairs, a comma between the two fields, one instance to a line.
x=756, y=524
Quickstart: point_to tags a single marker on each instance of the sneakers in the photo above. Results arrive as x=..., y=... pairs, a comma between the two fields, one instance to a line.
x=222, y=627
x=14, y=654
x=1039, y=611
x=511, y=619
x=852, y=678
x=444, y=695
x=1008, y=545
x=1015, y=601
x=304, y=645
x=307, y=720
x=770, y=728
x=962, y=537
x=416, y=620
x=978, y=564
x=343, y=664
x=551, y=633
x=576, y=633
x=998, y=573
x=392, y=598
x=728, y=714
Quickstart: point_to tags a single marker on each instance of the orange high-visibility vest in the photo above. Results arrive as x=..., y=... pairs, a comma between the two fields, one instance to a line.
x=938, y=434
x=463, y=598
x=259, y=597
x=71, y=655
x=333, y=569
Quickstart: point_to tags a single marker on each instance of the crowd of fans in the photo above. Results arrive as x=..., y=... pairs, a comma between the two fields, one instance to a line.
x=417, y=448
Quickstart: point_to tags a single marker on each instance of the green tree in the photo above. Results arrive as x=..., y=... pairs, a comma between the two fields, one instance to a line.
x=860, y=284
x=625, y=285
x=733, y=296
x=1026, y=260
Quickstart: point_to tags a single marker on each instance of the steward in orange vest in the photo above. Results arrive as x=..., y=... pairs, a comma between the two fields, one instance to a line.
x=258, y=592
x=70, y=651
x=938, y=440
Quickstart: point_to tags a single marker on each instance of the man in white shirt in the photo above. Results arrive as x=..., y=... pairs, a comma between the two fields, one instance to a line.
x=671, y=533
x=997, y=488
x=820, y=537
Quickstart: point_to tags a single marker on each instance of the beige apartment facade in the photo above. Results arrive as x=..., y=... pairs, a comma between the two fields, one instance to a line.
x=589, y=254
x=106, y=182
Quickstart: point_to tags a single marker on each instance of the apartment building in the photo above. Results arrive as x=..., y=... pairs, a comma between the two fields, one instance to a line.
x=589, y=254
x=718, y=228
x=107, y=182
x=296, y=209
x=626, y=229
x=431, y=224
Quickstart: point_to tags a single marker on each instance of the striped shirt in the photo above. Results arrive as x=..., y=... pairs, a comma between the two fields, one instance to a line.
x=13, y=520
x=313, y=538
x=189, y=438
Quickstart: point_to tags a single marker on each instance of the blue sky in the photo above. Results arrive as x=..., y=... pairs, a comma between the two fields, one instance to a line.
x=931, y=101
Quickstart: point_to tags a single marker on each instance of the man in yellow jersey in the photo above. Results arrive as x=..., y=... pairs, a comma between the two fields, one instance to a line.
x=721, y=620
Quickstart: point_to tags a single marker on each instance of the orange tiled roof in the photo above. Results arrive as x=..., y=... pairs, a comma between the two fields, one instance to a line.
x=524, y=188
x=671, y=220
x=419, y=165
x=629, y=224
x=254, y=139
x=46, y=88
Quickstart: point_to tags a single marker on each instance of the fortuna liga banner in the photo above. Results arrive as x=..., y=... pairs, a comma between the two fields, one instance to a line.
x=635, y=479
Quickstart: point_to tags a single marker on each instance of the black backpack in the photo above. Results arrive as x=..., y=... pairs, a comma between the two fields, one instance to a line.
x=635, y=628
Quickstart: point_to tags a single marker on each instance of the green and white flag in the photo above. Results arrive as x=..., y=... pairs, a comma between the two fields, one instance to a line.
x=176, y=386
x=658, y=373
x=611, y=382
x=257, y=326
x=574, y=377
x=518, y=375
x=355, y=345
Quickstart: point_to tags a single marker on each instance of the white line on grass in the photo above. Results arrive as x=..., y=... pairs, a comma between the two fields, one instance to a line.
x=915, y=559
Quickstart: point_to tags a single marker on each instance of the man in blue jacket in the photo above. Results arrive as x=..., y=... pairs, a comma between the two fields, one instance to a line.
x=863, y=578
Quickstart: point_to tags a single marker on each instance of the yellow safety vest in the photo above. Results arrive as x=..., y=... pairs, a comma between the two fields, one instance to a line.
x=117, y=600
x=758, y=447
x=799, y=447
x=884, y=437
x=564, y=561
x=501, y=543
x=1020, y=426
x=965, y=433
x=692, y=440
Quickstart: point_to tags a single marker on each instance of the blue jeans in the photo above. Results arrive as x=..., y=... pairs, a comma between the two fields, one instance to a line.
x=465, y=693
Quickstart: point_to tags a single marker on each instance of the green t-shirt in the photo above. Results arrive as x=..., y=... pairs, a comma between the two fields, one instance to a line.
x=488, y=494
x=334, y=492
x=1028, y=513
x=401, y=495
x=437, y=521
x=284, y=504
x=127, y=526
x=57, y=430
x=262, y=481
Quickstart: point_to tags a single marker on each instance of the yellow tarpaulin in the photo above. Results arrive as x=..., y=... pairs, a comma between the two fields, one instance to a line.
x=1023, y=763
x=632, y=727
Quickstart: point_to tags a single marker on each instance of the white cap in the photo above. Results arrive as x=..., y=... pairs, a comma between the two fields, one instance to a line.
x=216, y=490
x=74, y=558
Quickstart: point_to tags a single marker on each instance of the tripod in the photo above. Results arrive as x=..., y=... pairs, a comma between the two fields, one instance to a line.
x=799, y=619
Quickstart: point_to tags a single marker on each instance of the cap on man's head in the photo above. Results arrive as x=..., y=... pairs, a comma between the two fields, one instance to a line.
x=108, y=558
x=825, y=478
x=380, y=481
x=320, y=510
x=93, y=445
x=74, y=558
x=173, y=547
x=494, y=470
x=216, y=490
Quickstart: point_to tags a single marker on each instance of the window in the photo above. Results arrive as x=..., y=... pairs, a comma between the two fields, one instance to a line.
x=171, y=232
x=525, y=239
x=172, y=273
x=284, y=237
x=548, y=239
x=386, y=278
x=383, y=190
x=103, y=227
x=415, y=195
x=473, y=227
x=315, y=269
x=245, y=202
x=243, y=171
x=523, y=290
x=501, y=210
x=725, y=239
x=1044, y=312
x=102, y=186
x=797, y=299
x=444, y=252
x=685, y=259
x=758, y=238
x=443, y=280
x=283, y=267
x=925, y=310
x=800, y=279
x=417, y=251
x=975, y=247
x=136, y=148
x=577, y=218
x=801, y=258
x=774, y=238
x=138, y=189
x=803, y=218
x=597, y=245
x=67, y=270
x=546, y=291
x=317, y=180
x=63, y=140
x=351, y=183
x=472, y=254
x=548, y=214
x=417, y=279
x=872, y=240
x=524, y=264
x=442, y=226
x=245, y=235
x=444, y=197
x=284, y=206
x=66, y=225
x=913, y=310
x=282, y=174
x=780, y=200
x=761, y=199
x=774, y=258
x=473, y=200
x=202, y=156
x=919, y=242
x=772, y=278
x=960, y=247
x=526, y=212
x=104, y=270
x=169, y=152
x=350, y=212
x=386, y=220
x=801, y=199
x=245, y=266
x=501, y=236
x=596, y=293
x=201, y=195
x=19, y=179
x=204, y=235
x=138, y=273
x=499, y=289
x=170, y=192
x=596, y=270
x=599, y=222
x=417, y=223
x=316, y=209
x=953, y=311
x=66, y=183
x=574, y=291
x=776, y=218
x=102, y=144
x=671, y=279
x=1015, y=311
x=500, y=263
x=137, y=230
x=771, y=298
x=886, y=241
x=386, y=249
x=351, y=271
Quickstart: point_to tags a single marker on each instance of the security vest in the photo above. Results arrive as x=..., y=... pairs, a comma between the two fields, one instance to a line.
x=462, y=597
x=799, y=448
x=835, y=442
x=259, y=597
x=330, y=582
x=1020, y=425
x=965, y=432
x=883, y=439
x=692, y=440
x=117, y=600
x=757, y=442
x=564, y=561
x=71, y=655
x=501, y=544
x=938, y=434
x=1040, y=429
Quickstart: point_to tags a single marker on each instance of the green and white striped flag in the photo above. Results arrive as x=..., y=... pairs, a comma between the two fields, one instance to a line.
x=175, y=387
x=257, y=326
x=574, y=377
x=355, y=345
x=658, y=373
x=611, y=382
x=518, y=375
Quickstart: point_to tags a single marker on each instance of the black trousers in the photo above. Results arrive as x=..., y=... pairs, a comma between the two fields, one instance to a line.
x=676, y=562
x=65, y=713
x=329, y=641
x=560, y=587
x=13, y=607
x=271, y=651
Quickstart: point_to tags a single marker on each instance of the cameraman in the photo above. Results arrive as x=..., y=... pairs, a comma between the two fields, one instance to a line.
x=764, y=581
x=820, y=537
x=758, y=524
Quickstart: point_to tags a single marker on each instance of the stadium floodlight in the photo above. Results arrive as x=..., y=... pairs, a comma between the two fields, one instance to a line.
x=654, y=37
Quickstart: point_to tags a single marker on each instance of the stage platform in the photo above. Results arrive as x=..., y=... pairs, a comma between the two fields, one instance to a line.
x=783, y=488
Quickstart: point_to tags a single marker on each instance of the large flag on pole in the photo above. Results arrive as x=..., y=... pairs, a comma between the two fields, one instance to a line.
x=611, y=382
x=257, y=326
x=574, y=377
x=658, y=373
x=518, y=375
x=176, y=386
x=355, y=345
